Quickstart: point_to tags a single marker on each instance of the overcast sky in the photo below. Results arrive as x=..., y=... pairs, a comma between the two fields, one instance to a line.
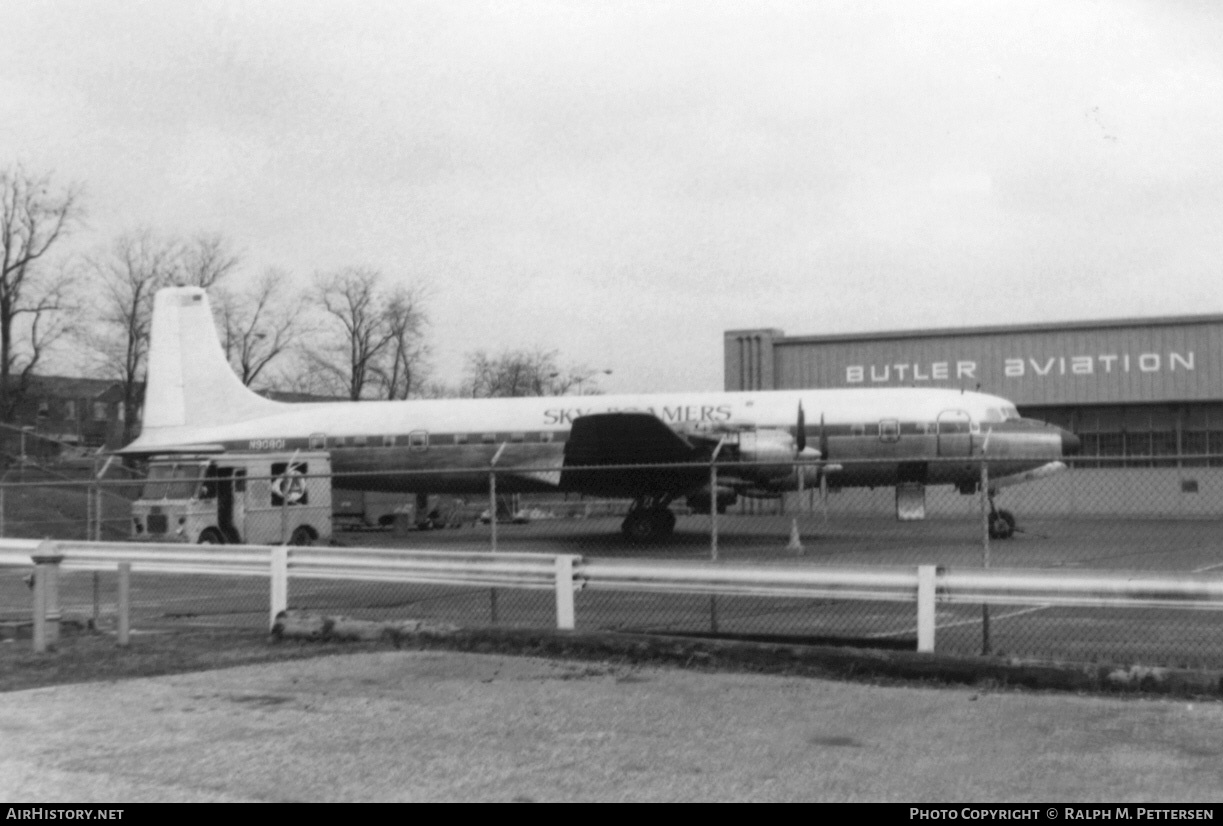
x=624, y=181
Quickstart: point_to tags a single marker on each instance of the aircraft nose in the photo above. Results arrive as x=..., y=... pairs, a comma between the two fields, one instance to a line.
x=1070, y=443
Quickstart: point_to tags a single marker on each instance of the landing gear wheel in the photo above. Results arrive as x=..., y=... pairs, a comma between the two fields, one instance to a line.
x=301, y=536
x=211, y=536
x=642, y=525
x=1001, y=525
x=664, y=522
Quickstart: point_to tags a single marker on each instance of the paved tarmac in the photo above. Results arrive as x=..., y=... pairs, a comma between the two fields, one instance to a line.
x=444, y=726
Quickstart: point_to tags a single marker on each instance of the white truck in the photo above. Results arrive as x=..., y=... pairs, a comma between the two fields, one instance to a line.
x=236, y=498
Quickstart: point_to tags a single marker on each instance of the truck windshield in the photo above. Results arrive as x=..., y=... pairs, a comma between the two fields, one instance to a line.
x=177, y=481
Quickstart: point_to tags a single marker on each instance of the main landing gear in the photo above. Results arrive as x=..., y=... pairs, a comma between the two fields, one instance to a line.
x=649, y=520
x=1001, y=522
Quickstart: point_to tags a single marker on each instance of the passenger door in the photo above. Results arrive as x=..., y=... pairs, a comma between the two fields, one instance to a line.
x=954, y=433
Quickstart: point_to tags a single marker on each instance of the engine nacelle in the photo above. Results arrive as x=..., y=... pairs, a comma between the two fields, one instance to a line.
x=772, y=464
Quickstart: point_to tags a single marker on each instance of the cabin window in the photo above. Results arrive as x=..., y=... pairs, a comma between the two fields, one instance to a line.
x=857, y=430
x=518, y=437
x=388, y=441
x=889, y=430
x=318, y=441
x=546, y=436
x=359, y=441
x=418, y=440
x=489, y=438
x=460, y=438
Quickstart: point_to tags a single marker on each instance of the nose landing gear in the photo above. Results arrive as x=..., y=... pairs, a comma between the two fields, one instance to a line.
x=1001, y=522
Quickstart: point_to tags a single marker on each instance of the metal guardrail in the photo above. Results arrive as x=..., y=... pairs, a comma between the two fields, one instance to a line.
x=17, y=552
x=509, y=570
x=926, y=585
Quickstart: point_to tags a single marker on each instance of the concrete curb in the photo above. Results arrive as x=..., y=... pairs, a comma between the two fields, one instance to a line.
x=833, y=662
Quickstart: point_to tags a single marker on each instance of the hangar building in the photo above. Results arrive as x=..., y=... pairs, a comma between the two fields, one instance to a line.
x=1139, y=392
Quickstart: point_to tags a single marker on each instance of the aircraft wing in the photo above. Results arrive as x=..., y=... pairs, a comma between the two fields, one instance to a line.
x=624, y=439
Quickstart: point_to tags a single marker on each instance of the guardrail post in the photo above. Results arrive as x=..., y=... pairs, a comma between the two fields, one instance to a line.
x=280, y=581
x=925, y=607
x=564, y=593
x=46, y=597
x=123, y=627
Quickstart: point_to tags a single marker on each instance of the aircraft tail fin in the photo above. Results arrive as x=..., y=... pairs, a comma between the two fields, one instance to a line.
x=190, y=383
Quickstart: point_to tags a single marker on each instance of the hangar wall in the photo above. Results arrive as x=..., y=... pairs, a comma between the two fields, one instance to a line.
x=1139, y=392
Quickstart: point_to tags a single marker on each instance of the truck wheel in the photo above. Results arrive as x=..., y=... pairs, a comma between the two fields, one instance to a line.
x=212, y=536
x=301, y=536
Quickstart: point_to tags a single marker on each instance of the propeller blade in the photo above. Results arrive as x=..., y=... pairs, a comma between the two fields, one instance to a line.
x=823, y=440
x=801, y=436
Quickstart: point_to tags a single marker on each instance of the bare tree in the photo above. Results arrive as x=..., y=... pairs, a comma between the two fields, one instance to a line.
x=512, y=373
x=403, y=369
x=360, y=337
x=33, y=296
x=205, y=260
x=128, y=276
x=258, y=325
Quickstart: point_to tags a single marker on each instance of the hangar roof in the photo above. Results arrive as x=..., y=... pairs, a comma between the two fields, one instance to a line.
x=1001, y=329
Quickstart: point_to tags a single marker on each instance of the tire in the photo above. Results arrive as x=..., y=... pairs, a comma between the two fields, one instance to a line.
x=1002, y=525
x=302, y=536
x=211, y=536
x=664, y=522
x=638, y=527
x=642, y=526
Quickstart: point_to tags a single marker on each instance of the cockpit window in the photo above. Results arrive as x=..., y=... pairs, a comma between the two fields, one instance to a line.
x=993, y=414
x=1011, y=414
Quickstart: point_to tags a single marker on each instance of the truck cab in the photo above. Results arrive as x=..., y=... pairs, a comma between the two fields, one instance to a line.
x=236, y=498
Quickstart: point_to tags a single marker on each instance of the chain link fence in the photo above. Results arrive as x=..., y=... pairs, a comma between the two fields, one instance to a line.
x=1092, y=516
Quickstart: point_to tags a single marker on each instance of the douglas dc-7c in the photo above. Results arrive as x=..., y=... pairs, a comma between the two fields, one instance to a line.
x=647, y=448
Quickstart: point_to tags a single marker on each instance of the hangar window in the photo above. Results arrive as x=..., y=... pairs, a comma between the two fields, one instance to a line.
x=1137, y=435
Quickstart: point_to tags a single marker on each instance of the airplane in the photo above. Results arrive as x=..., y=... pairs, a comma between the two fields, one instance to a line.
x=653, y=449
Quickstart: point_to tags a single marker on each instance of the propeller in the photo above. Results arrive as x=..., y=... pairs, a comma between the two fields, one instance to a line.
x=800, y=443
x=823, y=440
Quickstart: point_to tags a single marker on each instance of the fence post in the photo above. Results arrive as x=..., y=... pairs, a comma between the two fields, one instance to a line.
x=492, y=506
x=46, y=597
x=564, y=593
x=925, y=607
x=124, y=623
x=97, y=513
x=985, y=517
x=280, y=581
